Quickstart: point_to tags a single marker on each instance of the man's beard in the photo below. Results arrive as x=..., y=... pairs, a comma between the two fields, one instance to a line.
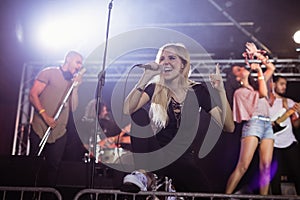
x=280, y=93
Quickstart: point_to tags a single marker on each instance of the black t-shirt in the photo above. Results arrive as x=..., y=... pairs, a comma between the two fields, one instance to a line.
x=197, y=100
x=109, y=127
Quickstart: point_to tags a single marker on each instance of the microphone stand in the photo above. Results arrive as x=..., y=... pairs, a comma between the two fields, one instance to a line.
x=48, y=131
x=101, y=81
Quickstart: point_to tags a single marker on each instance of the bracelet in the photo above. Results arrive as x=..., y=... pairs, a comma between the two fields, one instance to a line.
x=261, y=78
x=41, y=111
x=139, y=89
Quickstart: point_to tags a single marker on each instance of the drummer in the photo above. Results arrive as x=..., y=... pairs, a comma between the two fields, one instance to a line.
x=114, y=136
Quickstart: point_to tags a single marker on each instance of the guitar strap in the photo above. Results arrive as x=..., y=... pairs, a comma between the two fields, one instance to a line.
x=284, y=103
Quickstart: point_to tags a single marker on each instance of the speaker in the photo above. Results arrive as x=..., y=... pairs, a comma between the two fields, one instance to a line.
x=19, y=170
x=288, y=188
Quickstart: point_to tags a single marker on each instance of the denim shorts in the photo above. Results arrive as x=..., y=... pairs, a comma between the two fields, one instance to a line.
x=260, y=127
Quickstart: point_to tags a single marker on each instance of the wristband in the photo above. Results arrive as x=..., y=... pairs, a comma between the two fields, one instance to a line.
x=261, y=78
x=41, y=111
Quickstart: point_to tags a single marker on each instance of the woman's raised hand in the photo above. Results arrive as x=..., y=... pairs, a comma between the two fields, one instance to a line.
x=251, y=48
x=216, y=79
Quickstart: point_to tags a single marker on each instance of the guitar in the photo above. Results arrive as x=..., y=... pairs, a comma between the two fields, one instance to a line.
x=283, y=115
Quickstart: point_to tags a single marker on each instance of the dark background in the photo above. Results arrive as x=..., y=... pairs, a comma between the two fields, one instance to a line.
x=270, y=24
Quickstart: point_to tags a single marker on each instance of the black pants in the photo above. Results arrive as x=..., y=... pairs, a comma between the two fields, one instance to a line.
x=288, y=161
x=187, y=175
x=52, y=153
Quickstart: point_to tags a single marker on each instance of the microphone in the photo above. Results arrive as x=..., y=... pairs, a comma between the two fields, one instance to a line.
x=147, y=66
x=80, y=73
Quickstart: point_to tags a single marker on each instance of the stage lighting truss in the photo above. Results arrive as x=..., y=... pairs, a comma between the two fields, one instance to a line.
x=200, y=70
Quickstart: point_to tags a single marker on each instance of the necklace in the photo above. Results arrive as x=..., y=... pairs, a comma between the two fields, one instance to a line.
x=177, y=108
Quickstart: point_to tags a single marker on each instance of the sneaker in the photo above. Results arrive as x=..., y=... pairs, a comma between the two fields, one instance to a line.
x=136, y=178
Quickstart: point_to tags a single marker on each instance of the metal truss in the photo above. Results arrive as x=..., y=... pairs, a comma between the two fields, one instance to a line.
x=200, y=70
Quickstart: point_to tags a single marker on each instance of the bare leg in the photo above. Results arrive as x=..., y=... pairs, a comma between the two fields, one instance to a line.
x=265, y=160
x=248, y=147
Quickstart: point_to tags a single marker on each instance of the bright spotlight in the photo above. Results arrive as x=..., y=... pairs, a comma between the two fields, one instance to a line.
x=296, y=37
x=57, y=33
x=63, y=32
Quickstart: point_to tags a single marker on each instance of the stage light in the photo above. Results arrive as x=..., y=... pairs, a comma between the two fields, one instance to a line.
x=58, y=33
x=82, y=27
x=296, y=37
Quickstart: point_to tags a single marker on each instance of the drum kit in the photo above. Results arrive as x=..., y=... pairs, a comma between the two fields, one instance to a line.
x=112, y=155
x=107, y=153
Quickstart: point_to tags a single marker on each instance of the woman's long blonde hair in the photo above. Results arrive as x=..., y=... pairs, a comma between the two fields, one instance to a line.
x=161, y=96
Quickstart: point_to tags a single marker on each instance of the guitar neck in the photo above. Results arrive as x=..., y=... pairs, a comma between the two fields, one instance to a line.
x=286, y=115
